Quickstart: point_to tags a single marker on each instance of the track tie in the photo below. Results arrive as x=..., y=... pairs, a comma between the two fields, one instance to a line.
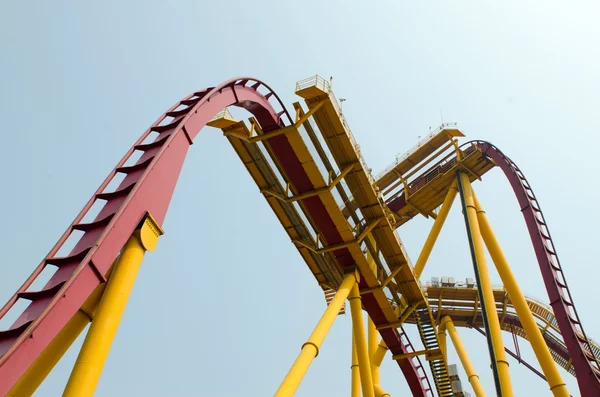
x=147, y=146
x=13, y=332
x=132, y=168
x=116, y=193
x=43, y=293
x=180, y=112
x=85, y=227
x=60, y=261
x=170, y=126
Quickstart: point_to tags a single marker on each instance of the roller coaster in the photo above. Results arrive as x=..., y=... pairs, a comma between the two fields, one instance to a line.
x=344, y=223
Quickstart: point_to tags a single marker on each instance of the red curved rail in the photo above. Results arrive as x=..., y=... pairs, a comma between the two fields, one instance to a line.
x=584, y=362
x=148, y=187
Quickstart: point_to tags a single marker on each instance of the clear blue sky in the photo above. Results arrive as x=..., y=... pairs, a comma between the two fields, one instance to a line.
x=224, y=304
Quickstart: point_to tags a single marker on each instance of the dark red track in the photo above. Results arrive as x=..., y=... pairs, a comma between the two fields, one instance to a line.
x=584, y=362
x=148, y=187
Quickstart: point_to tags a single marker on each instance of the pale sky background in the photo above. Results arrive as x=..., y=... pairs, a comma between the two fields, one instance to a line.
x=224, y=304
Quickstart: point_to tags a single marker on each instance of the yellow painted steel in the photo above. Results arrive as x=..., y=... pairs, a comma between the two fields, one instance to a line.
x=310, y=349
x=88, y=367
x=360, y=339
x=462, y=354
x=538, y=344
x=379, y=392
x=372, y=338
x=441, y=335
x=435, y=230
x=376, y=359
x=486, y=287
x=355, y=385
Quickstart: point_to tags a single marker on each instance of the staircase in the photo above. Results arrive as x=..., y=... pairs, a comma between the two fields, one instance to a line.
x=329, y=294
x=434, y=356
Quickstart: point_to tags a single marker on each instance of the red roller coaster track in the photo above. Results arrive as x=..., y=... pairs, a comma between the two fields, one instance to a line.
x=147, y=188
x=585, y=363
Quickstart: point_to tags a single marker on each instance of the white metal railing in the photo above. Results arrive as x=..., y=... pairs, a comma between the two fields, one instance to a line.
x=314, y=81
x=421, y=142
x=223, y=114
x=320, y=82
x=353, y=142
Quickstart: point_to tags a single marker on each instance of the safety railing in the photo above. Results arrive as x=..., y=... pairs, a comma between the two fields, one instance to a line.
x=420, y=143
x=323, y=84
x=355, y=145
x=223, y=114
x=314, y=81
x=441, y=167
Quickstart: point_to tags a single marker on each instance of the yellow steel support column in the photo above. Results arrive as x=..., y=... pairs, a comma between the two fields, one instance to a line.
x=360, y=338
x=484, y=285
x=372, y=340
x=43, y=365
x=355, y=385
x=435, y=231
x=379, y=392
x=538, y=344
x=462, y=354
x=441, y=334
x=95, y=349
x=310, y=349
x=376, y=359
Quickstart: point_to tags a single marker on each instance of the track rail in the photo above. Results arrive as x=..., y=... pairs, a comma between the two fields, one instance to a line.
x=147, y=188
x=584, y=361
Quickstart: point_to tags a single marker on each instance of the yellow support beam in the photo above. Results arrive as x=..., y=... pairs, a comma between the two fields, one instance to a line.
x=372, y=338
x=376, y=360
x=379, y=354
x=336, y=247
x=312, y=193
x=310, y=349
x=538, y=344
x=488, y=303
x=95, y=349
x=435, y=231
x=301, y=120
x=400, y=322
x=441, y=335
x=379, y=392
x=447, y=324
x=360, y=339
x=355, y=372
